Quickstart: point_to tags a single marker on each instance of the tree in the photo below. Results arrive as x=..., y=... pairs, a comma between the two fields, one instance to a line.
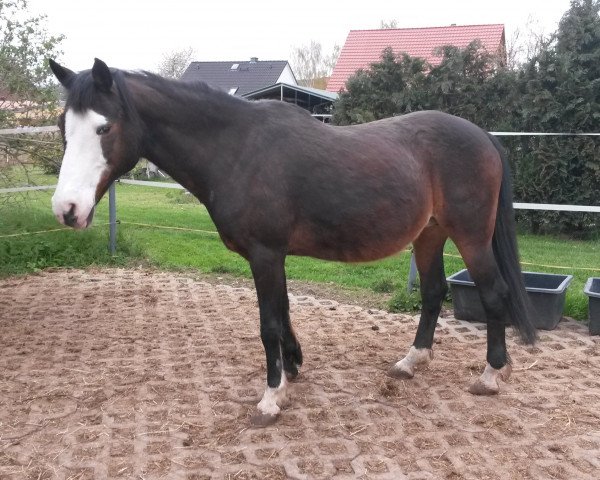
x=560, y=92
x=311, y=66
x=465, y=84
x=525, y=43
x=28, y=95
x=390, y=24
x=393, y=86
x=174, y=63
x=461, y=84
x=25, y=46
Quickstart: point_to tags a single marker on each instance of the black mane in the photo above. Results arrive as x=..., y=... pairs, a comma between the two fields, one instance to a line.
x=178, y=89
x=82, y=93
x=173, y=97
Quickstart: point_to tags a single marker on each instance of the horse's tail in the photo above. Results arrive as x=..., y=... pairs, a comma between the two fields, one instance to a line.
x=506, y=252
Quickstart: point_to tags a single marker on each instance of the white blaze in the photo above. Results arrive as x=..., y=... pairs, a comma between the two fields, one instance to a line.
x=82, y=166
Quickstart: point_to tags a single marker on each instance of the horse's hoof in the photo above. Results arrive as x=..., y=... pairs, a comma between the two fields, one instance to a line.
x=405, y=368
x=481, y=388
x=262, y=420
x=488, y=383
x=400, y=373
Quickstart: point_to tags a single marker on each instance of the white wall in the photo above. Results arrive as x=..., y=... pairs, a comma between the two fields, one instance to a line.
x=287, y=76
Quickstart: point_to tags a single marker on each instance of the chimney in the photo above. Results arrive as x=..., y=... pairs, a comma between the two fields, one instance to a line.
x=253, y=59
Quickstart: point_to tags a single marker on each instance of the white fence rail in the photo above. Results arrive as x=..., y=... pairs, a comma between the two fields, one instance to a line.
x=28, y=130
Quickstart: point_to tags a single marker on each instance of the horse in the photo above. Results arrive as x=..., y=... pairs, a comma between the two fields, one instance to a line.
x=277, y=182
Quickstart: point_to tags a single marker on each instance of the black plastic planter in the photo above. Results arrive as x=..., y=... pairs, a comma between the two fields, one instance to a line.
x=592, y=290
x=545, y=290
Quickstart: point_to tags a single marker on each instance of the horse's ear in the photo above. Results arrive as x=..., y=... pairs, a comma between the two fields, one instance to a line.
x=64, y=75
x=102, y=76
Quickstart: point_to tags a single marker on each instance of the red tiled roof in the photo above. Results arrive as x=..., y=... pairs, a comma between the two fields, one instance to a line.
x=364, y=47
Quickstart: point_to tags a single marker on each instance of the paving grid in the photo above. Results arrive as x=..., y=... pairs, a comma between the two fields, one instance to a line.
x=117, y=373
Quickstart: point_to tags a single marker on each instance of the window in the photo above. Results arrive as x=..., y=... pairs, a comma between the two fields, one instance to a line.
x=232, y=90
x=235, y=66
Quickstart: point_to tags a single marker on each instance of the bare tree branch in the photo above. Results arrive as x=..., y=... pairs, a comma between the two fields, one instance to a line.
x=174, y=63
x=311, y=66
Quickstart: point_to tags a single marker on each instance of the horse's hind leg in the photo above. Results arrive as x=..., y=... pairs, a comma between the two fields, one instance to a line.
x=493, y=292
x=428, y=248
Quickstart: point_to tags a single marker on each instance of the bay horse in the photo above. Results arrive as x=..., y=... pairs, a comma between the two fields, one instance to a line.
x=277, y=182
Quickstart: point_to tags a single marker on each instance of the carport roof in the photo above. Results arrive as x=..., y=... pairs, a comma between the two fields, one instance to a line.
x=315, y=92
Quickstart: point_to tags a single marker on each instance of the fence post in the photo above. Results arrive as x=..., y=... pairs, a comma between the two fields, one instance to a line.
x=112, y=218
x=412, y=274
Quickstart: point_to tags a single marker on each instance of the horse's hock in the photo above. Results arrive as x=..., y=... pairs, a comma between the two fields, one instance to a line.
x=138, y=374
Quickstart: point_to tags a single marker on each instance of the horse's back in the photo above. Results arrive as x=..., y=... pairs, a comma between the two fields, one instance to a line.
x=376, y=186
x=357, y=193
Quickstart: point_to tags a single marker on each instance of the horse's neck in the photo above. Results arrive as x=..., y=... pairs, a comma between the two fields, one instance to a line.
x=188, y=136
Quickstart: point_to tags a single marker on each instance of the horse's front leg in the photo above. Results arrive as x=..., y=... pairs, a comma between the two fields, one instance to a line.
x=268, y=270
x=291, y=352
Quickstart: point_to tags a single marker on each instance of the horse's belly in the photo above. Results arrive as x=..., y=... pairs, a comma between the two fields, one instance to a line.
x=358, y=243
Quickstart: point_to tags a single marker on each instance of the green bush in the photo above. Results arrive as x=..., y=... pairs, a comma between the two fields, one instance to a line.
x=402, y=301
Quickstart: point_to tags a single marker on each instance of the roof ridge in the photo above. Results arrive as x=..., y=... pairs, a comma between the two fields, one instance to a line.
x=237, y=61
x=428, y=28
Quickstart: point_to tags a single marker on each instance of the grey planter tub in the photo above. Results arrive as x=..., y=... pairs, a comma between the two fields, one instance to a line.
x=545, y=290
x=592, y=290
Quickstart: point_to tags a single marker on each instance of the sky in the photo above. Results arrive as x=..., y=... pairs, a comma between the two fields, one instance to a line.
x=137, y=34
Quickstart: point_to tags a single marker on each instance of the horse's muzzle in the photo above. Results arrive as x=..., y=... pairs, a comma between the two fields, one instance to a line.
x=71, y=219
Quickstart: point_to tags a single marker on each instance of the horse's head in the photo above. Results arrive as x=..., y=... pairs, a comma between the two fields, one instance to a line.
x=101, y=140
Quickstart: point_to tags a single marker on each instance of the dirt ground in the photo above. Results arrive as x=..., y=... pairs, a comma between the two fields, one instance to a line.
x=147, y=375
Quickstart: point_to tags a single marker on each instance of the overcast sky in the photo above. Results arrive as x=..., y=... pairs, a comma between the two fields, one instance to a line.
x=136, y=34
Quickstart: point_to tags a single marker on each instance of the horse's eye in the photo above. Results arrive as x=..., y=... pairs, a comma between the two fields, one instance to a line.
x=104, y=129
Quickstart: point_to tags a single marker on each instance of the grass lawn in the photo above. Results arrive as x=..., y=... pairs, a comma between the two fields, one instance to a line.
x=201, y=249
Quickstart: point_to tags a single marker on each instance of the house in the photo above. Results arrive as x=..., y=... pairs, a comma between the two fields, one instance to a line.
x=20, y=111
x=364, y=47
x=260, y=80
x=12, y=103
x=241, y=77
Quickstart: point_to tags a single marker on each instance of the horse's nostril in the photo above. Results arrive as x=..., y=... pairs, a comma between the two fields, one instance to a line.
x=70, y=218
